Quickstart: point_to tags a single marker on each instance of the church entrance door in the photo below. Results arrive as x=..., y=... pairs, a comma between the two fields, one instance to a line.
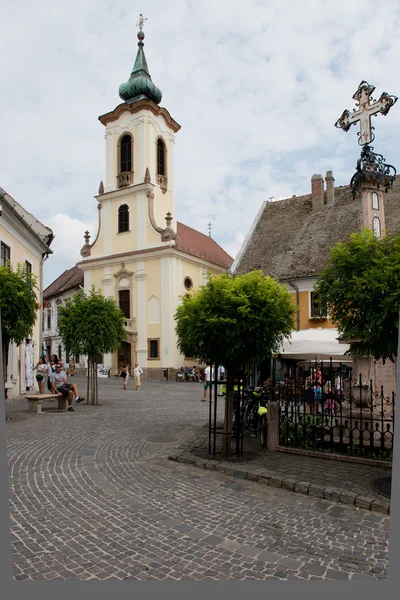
x=124, y=356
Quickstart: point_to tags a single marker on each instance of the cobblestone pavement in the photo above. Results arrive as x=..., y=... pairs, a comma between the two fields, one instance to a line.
x=344, y=481
x=94, y=496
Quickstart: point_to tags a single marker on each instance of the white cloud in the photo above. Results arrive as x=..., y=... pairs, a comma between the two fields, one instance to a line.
x=257, y=89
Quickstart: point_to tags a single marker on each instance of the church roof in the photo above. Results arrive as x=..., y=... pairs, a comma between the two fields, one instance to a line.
x=289, y=240
x=198, y=244
x=140, y=86
x=66, y=281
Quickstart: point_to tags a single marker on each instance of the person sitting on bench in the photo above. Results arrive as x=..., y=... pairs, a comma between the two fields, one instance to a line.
x=60, y=386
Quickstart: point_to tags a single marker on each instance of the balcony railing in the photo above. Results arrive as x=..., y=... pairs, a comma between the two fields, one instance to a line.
x=162, y=182
x=130, y=324
x=125, y=179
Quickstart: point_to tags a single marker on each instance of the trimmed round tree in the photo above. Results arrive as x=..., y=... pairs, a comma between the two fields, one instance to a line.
x=18, y=305
x=234, y=321
x=91, y=324
x=361, y=286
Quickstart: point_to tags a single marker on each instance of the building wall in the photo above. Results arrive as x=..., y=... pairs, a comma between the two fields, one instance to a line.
x=23, y=247
x=155, y=284
x=51, y=340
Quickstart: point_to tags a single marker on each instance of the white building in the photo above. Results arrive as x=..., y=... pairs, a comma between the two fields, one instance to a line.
x=54, y=296
x=24, y=240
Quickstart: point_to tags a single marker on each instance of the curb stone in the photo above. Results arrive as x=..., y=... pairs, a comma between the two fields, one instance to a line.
x=289, y=483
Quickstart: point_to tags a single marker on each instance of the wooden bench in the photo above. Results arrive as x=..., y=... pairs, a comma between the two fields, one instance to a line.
x=35, y=401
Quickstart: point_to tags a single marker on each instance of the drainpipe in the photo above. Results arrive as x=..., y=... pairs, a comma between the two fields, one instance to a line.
x=45, y=256
x=295, y=287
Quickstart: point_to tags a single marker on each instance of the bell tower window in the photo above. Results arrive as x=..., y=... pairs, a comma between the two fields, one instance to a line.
x=125, y=172
x=161, y=176
x=123, y=218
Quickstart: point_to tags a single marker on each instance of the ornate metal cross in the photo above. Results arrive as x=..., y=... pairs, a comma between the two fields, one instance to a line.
x=366, y=107
x=141, y=22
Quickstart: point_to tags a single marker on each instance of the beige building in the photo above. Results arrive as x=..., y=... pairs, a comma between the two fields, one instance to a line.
x=23, y=240
x=290, y=240
x=142, y=256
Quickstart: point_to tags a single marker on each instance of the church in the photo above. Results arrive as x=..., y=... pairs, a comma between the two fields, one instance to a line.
x=142, y=256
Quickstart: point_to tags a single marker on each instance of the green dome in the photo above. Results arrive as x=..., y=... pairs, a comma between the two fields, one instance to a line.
x=140, y=86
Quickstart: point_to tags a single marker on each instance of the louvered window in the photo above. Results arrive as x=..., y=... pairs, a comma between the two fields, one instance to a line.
x=160, y=157
x=126, y=154
x=123, y=218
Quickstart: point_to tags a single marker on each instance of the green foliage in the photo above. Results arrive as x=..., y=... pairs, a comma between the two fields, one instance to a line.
x=18, y=303
x=361, y=285
x=235, y=320
x=91, y=324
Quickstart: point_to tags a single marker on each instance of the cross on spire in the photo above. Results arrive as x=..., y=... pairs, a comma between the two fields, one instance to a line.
x=366, y=107
x=141, y=22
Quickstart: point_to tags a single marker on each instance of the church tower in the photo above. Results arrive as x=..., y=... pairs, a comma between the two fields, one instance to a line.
x=139, y=182
x=142, y=256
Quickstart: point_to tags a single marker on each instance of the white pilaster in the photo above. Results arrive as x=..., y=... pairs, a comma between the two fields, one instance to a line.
x=110, y=161
x=140, y=277
x=107, y=281
x=166, y=306
x=141, y=220
x=106, y=226
x=139, y=149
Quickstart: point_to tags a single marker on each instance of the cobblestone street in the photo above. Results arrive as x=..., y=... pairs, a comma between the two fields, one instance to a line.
x=94, y=496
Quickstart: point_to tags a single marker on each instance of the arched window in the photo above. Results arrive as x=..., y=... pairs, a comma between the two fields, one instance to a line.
x=126, y=154
x=376, y=227
x=375, y=201
x=123, y=218
x=161, y=167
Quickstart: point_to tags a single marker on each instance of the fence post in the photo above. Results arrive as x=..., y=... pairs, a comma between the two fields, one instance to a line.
x=273, y=426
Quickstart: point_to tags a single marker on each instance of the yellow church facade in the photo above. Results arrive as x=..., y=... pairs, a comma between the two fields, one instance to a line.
x=142, y=256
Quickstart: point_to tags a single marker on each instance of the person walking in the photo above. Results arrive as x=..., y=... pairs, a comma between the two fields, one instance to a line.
x=208, y=379
x=125, y=376
x=42, y=373
x=60, y=386
x=137, y=371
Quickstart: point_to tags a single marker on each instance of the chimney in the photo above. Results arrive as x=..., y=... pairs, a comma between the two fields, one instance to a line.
x=317, y=193
x=330, y=188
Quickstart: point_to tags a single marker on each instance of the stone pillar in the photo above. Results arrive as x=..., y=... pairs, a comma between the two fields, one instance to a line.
x=273, y=426
x=330, y=188
x=372, y=205
x=317, y=193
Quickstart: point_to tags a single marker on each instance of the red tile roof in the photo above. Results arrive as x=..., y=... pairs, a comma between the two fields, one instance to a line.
x=66, y=281
x=198, y=244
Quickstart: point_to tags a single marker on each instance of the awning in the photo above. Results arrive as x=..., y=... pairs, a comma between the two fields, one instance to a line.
x=317, y=343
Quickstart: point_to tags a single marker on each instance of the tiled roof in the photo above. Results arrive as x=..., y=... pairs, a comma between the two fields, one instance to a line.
x=290, y=241
x=68, y=280
x=31, y=222
x=198, y=244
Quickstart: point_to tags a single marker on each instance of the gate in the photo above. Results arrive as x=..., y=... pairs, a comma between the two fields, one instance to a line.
x=326, y=410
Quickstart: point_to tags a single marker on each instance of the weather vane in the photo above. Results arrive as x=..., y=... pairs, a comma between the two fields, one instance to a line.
x=141, y=22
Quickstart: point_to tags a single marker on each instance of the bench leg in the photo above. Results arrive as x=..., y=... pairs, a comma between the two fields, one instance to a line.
x=35, y=406
x=62, y=403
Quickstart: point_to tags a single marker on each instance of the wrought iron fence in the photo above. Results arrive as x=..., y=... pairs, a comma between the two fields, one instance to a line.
x=324, y=409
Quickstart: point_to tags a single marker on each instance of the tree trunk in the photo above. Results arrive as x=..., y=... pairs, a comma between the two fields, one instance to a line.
x=226, y=447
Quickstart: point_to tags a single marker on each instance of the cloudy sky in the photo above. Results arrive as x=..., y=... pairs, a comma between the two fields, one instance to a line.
x=256, y=86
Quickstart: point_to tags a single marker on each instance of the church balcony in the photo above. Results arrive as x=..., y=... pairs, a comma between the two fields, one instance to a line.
x=125, y=178
x=162, y=182
x=130, y=325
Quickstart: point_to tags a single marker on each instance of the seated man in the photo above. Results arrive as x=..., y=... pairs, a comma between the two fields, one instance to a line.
x=60, y=386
